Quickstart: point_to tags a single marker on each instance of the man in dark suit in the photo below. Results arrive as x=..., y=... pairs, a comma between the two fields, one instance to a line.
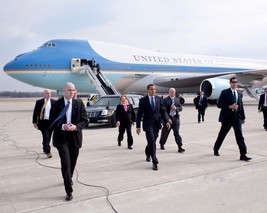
x=173, y=107
x=67, y=136
x=262, y=107
x=201, y=104
x=40, y=120
x=232, y=115
x=151, y=110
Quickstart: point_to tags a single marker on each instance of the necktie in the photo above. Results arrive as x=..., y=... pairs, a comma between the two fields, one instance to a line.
x=42, y=110
x=265, y=100
x=173, y=111
x=61, y=115
x=200, y=101
x=152, y=103
x=234, y=99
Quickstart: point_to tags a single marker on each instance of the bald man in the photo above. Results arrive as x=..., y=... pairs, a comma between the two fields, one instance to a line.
x=67, y=137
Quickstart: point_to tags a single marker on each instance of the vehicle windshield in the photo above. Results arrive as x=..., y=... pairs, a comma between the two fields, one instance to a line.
x=108, y=101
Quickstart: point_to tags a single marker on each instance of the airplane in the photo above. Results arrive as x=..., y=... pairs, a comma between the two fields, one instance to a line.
x=131, y=69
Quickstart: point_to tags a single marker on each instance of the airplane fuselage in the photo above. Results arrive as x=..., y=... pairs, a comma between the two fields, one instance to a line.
x=129, y=69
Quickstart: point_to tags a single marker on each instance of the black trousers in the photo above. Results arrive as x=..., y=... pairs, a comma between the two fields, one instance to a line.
x=264, y=112
x=151, y=137
x=68, y=154
x=231, y=121
x=44, y=127
x=175, y=128
x=201, y=113
x=128, y=128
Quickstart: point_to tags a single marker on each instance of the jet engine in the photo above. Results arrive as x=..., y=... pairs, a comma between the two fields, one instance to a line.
x=212, y=87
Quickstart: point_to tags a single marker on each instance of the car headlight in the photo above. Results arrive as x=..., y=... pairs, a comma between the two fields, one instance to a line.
x=104, y=112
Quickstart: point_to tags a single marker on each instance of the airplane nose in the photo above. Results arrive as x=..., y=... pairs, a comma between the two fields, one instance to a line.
x=13, y=65
x=8, y=66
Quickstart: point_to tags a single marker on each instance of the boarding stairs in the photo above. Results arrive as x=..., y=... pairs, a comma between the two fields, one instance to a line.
x=101, y=83
x=251, y=92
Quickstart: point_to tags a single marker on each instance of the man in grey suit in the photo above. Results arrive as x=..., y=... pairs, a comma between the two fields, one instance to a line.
x=232, y=115
x=151, y=110
x=68, y=117
x=173, y=107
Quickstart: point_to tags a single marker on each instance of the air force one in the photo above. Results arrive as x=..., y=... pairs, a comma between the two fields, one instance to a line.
x=130, y=70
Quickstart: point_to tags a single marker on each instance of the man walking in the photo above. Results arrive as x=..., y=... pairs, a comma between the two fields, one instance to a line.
x=262, y=107
x=151, y=110
x=40, y=120
x=173, y=107
x=201, y=104
x=232, y=115
x=68, y=117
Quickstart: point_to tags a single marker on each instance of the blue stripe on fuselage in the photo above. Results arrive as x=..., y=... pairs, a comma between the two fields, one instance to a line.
x=59, y=58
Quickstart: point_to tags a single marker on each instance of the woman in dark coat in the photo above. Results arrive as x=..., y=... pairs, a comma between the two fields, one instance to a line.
x=125, y=118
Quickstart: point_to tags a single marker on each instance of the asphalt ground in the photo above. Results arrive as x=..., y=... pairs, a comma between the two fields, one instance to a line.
x=109, y=178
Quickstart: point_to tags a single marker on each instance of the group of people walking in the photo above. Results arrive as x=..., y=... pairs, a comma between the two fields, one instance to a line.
x=66, y=117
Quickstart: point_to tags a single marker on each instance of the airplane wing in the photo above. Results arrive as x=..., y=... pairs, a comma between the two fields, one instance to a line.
x=246, y=77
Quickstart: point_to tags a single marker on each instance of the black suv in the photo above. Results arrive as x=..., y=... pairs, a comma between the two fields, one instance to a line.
x=103, y=111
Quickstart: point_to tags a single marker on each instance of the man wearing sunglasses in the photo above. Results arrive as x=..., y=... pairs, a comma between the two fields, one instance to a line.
x=232, y=115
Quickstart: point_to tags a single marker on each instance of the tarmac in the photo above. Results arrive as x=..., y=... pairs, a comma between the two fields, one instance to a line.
x=109, y=178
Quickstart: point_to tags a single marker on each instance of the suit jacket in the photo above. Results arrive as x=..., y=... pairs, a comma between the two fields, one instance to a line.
x=125, y=117
x=204, y=102
x=78, y=117
x=167, y=102
x=37, y=109
x=261, y=102
x=225, y=100
x=149, y=115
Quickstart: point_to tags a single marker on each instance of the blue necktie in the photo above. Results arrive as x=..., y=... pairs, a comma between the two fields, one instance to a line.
x=61, y=115
x=152, y=103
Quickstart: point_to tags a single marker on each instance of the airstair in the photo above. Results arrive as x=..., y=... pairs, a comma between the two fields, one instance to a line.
x=251, y=93
x=101, y=83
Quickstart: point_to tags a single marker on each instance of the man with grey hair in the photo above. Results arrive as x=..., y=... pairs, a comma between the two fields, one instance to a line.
x=68, y=117
x=173, y=107
x=40, y=119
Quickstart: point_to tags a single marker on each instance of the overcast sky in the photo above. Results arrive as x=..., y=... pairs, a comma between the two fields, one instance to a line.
x=234, y=28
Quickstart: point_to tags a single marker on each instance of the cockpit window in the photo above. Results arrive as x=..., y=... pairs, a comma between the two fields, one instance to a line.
x=49, y=44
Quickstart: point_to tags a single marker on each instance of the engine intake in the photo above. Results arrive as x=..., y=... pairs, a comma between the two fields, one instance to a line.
x=212, y=87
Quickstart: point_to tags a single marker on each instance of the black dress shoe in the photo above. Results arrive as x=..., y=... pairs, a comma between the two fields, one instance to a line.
x=155, y=160
x=148, y=158
x=181, y=150
x=216, y=153
x=162, y=147
x=119, y=143
x=71, y=182
x=129, y=147
x=155, y=167
x=245, y=158
x=69, y=197
x=49, y=155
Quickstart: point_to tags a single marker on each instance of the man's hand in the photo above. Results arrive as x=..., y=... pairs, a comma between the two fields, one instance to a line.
x=138, y=131
x=234, y=106
x=35, y=125
x=168, y=125
x=70, y=127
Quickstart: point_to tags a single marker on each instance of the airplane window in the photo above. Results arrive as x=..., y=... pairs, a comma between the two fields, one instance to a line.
x=44, y=45
x=48, y=44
